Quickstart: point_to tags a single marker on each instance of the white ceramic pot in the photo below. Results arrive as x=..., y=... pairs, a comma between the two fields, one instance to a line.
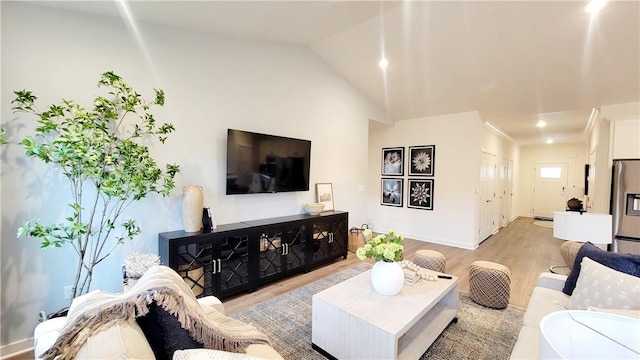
x=192, y=205
x=387, y=278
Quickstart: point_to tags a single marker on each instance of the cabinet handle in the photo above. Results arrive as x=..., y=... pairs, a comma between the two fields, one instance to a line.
x=219, y=266
x=286, y=246
x=214, y=268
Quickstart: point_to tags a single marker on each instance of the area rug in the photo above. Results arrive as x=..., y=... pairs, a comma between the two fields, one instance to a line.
x=546, y=224
x=480, y=333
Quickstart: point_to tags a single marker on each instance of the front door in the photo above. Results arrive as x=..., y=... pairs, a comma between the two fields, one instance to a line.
x=549, y=190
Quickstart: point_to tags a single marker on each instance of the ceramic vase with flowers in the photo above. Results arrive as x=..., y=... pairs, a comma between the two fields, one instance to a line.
x=387, y=276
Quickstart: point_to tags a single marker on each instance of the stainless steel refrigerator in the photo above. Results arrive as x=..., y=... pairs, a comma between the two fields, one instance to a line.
x=625, y=206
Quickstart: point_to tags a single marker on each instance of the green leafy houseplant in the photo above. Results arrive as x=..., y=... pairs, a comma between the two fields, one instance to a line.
x=383, y=247
x=101, y=152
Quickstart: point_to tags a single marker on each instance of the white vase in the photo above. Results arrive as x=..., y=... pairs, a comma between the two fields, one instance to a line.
x=387, y=278
x=192, y=205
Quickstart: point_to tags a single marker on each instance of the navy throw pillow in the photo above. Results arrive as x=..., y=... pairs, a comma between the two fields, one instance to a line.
x=626, y=263
x=164, y=333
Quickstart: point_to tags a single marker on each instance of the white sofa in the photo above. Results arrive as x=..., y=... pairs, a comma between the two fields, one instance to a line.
x=547, y=297
x=128, y=341
x=594, y=286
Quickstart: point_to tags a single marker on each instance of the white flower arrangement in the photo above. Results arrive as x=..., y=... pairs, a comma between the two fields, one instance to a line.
x=383, y=247
x=136, y=264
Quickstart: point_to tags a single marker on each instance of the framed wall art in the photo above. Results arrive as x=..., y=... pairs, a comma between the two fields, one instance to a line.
x=324, y=192
x=420, y=194
x=393, y=161
x=391, y=193
x=421, y=160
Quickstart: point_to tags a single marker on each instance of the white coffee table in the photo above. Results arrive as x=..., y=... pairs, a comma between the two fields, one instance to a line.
x=352, y=321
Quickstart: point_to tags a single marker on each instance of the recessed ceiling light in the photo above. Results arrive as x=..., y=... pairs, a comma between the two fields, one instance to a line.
x=383, y=63
x=549, y=141
x=594, y=6
x=541, y=123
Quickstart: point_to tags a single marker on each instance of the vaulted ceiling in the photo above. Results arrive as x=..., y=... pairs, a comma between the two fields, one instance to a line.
x=515, y=62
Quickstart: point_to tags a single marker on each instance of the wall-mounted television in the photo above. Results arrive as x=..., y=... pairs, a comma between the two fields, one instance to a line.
x=261, y=163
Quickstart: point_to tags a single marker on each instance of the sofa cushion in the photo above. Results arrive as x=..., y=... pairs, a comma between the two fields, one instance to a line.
x=628, y=313
x=208, y=354
x=626, y=263
x=164, y=333
x=528, y=344
x=604, y=287
x=543, y=302
x=123, y=341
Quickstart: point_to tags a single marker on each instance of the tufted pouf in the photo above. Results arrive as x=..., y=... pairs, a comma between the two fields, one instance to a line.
x=569, y=250
x=489, y=284
x=430, y=259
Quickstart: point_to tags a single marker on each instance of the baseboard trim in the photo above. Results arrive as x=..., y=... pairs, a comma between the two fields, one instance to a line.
x=17, y=348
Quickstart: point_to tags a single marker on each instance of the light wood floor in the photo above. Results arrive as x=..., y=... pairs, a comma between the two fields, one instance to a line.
x=526, y=249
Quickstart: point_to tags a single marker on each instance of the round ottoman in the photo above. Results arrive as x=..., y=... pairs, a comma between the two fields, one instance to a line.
x=430, y=259
x=569, y=250
x=489, y=284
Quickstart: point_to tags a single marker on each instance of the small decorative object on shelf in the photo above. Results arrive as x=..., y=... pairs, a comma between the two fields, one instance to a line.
x=135, y=265
x=313, y=208
x=387, y=276
x=421, y=272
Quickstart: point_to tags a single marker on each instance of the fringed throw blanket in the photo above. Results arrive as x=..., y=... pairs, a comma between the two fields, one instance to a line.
x=161, y=285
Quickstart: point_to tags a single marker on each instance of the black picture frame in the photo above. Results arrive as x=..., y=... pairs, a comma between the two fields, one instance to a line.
x=422, y=160
x=420, y=194
x=392, y=192
x=393, y=161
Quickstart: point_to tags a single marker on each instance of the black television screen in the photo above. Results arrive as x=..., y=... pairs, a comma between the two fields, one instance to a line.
x=261, y=163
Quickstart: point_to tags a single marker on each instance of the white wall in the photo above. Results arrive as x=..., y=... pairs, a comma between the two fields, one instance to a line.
x=575, y=155
x=600, y=169
x=600, y=145
x=211, y=82
x=502, y=147
x=454, y=218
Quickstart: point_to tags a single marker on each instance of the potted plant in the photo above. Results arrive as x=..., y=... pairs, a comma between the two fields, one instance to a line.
x=387, y=276
x=103, y=153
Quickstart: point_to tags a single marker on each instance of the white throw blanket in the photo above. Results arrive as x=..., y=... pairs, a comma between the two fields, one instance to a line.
x=167, y=289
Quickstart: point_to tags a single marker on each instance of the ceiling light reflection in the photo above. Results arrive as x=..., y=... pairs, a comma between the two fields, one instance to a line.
x=383, y=63
x=541, y=123
x=594, y=6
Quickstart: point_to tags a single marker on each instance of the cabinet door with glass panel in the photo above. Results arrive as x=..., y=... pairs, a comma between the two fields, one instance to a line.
x=329, y=238
x=281, y=250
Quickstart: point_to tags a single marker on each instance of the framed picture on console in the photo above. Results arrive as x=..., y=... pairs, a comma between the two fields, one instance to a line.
x=324, y=192
x=420, y=194
x=421, y=160
x=391, y=193
x=393, y=161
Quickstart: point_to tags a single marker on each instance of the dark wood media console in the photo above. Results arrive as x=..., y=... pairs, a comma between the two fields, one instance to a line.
x=242, y=256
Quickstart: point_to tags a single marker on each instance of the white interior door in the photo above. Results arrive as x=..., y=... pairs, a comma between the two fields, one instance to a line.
x=502, y=192
x=549, y=189
x=488, y=224
x=509, y=189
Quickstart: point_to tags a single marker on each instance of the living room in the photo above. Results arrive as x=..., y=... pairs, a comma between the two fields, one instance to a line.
x=214, y=82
